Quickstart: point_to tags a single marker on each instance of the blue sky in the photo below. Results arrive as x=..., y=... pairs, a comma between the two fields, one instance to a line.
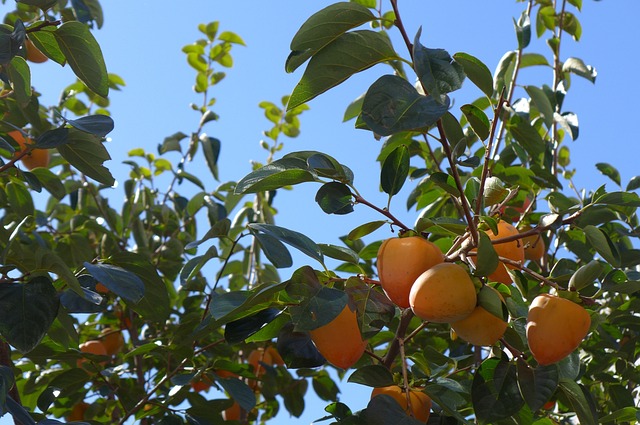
x=142, y=42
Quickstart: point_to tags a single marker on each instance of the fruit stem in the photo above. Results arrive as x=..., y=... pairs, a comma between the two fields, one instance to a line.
x=394, y=348
x=416, y=330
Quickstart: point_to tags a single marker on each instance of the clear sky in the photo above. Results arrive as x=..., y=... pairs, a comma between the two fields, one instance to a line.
x=142, y=41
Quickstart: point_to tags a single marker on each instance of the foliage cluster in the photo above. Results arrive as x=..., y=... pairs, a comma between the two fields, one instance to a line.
x=109, y=311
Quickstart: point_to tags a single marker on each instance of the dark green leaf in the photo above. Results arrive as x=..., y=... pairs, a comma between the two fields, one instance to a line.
x=118, y=280
x=487, y=259
x=392, y=105
x=624, y=199
x=384, y=410
x=609, y=171
x=581, y=401
x=322, y=28
x=99, y=125
x=533, y=59
x=211, y=149
x=452, y=129
x=478, y=120
x=523, y=30
x=11, y=42
x=395, y=170
x=20, y=76
x=274, y=250
x=494, y=393
x=280, y=173
x=319, y=304
x=626, y=414
x=477, y=72
x=602, y=244
x=27, y=311
x=634, y=183
x=53, y=138
x=537, y=384
x=20, y=199
x=504, y=72
x=83, y=56
x=239, y=391
x=85, y=152
x=542, y=102
x=297, y=349
x=345, y=56
x=446, y=182
x=293, y=238
x=341, y=253
x=335, y=198
x=438, y=73
x=365, y=229
x=372, y=376
x=526, y=135
x=237, y=331
x=586, y=275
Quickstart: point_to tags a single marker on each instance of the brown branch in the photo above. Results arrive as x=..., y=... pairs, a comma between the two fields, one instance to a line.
x=360, y=200
x=394, y=348
x=5, y=360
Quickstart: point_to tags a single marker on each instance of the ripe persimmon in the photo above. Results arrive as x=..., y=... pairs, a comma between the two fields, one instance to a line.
x=401, y=261
x=534, y=247
x=420, y=402
x=232, y=413
x=33, y=53
x=91, y=347
x=555, y=328
x=35, y=158
x=201, y=385
x=101, y=289
x=513, y=250
x=443, y=294
x=77, y=411
x=112, y=340
x=481, y=327
x=340, y=341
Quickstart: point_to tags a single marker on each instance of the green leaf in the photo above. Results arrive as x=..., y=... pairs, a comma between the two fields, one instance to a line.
x=372, y=376
x=504, y=72
x=392, y=105
x=211, y=149
x=478, y=120
x=581, y=401
x=634, y=183
x=609, y=171
x=365, y=229
x=83, y=55
x=340, y=253
x=20, y=76
x=290, y=237
x=623, y=199
x=322, y=28
x=238, y=331
x=27, y=311
x=523, y=30
x=477, y=72
x=578, y=67
x=231, y=37
x=626, y=414
x=86, y=153
x=46, y=42
x=53, y=138
x=537, y=385
x=384, y=410
x=51, y=182
x=274, y=250
x=452, y=129
x=569, y=123
x=526, y=135
x=533, y=59
x=354, y=109
x=602, y=244
x=239, y=391
x=345, y=56
x=395, y=170
x=42, y=4
x=446, y=182
x=586, y=275
x=118, y=280
x=318, y=305
x=495, y=393
x=542, y=102
x=99, y=125
x=280, y=173
x=487, y=260
x=436, y=70
x=20, y=199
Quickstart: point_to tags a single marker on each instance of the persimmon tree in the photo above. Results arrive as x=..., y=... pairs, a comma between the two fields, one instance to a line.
x=122, y=312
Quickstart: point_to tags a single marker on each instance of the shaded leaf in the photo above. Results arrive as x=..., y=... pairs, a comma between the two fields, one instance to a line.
x=581, y=401
x=392, y=105
x=537, y=384
x=478, y=120
x=372, y=376
x=436, y=70
x=495, y=393
x=395, y=170
x=290, y=237
x=86, y=153
x=274, y=250
x=280, y=173
x=335, y=198
x=118, y=280
x=99, y=125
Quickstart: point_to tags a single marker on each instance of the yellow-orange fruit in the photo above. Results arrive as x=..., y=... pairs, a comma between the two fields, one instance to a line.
x=340, y=341
x=203, y=384
x=77, y=411
x=420, y=402
x=34, y=159
x=480, y=327
x=232, y=413
x=33, y=53
x=443, y=294
x=112, y=340
x=513, y=250
x=275, y=356
x=101, y=289
x=258, y=358
x=91, y=347
x=225, y=374
x=555, y=328
x=401, y=261
x=534, y=248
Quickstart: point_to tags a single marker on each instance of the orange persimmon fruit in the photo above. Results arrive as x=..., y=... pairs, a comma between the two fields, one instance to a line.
x=420, y=402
